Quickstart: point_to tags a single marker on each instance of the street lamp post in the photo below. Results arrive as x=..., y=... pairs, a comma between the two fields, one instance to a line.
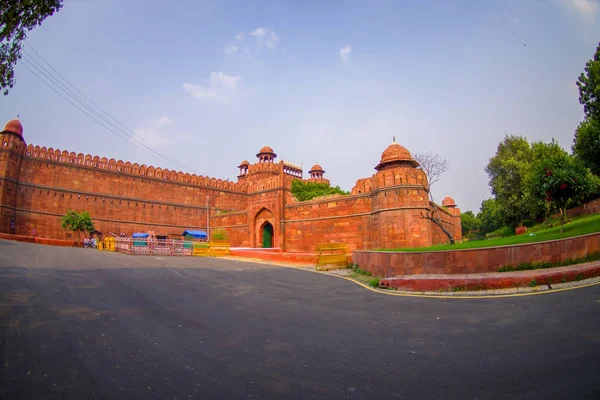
x=208, y=218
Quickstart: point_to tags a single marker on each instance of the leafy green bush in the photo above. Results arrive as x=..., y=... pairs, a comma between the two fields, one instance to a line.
x=304, y=190
x=219, y=235
x=374, y=282
x=77, y=222
x=504, y=231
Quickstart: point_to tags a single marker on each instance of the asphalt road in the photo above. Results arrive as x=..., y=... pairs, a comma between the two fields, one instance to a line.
x=83, y=324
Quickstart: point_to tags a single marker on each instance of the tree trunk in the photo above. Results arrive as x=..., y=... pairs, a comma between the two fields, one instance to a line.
x=563, y=218
x=443, y=228
x=438, y=220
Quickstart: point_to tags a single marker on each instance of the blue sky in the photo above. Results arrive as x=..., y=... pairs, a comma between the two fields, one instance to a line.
x=209, y=83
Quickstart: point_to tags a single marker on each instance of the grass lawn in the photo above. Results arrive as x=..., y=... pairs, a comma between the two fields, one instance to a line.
x=579, y=226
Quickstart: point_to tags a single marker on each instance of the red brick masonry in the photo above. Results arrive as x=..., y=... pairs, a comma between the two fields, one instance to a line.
x=488, y=259
x=498, y=280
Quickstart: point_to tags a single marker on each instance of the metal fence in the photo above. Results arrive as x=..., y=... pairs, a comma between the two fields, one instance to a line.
x=165, y=247
x=149, y=246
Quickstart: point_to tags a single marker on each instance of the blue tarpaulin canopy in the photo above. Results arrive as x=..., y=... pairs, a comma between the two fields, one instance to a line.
x=195, y=234
x=140, y=235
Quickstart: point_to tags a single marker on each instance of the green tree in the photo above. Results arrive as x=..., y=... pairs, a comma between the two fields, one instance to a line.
x=508, y=171
x=538, y=208
x=586, y=144
x=489, y=217
x=589, y=87
x=306, y=190
x=17, y=17
x=468, y=222
x=562, y=181
x=77, y=222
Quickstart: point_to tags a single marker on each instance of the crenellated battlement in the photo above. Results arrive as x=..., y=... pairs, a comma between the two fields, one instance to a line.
x=119, y=166
x=264, y=167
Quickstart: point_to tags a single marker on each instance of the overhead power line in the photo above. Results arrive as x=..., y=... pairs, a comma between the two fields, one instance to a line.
x=97, y=110
x=29, y=66
x=56, y=81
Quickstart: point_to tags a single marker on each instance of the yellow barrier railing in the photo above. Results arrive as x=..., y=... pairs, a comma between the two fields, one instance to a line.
x=220, y=249
x=331, y=256
x=109, y=244
x=212, y=249
x=201, y=249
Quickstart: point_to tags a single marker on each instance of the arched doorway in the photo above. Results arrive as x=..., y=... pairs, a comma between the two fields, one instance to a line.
x=267, y=235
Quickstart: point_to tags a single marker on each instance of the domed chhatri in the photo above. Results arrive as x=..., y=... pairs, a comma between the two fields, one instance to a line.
x=316, y=172
x=266, y=150
x=448, y=202
x=14, y=126
x=243, y=169
x=396, y=155
x=316, y=168
x=266, y=154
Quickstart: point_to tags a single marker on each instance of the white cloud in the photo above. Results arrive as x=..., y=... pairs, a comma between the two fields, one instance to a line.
x=231, y=49
x=265, y=37
x=164, y=120
x=345, y=53
x=220, y=87
x=587, y=8
x=235, y=49
x=155, y=132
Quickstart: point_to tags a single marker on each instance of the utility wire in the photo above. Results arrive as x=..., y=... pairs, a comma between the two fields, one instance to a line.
x=120, y=131
x=110, y=119
x=115, y=129
x=26, y=65
x=114, y=126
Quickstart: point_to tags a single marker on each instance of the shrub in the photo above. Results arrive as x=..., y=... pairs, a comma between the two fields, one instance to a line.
x=501, y=232
x=374, y=282
x=219, y=234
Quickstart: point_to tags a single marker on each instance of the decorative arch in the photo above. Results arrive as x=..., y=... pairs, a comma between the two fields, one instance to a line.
x=264, y=228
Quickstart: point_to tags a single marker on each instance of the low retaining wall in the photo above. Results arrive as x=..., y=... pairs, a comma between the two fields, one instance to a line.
x=488, y=259
x=39, y=240
x=490, y=281
x=593, y=207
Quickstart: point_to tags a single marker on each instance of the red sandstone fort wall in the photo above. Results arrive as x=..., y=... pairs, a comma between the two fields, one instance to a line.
x=121, y=197
x=38, y=185
x=333, y=219
x=235, y=224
